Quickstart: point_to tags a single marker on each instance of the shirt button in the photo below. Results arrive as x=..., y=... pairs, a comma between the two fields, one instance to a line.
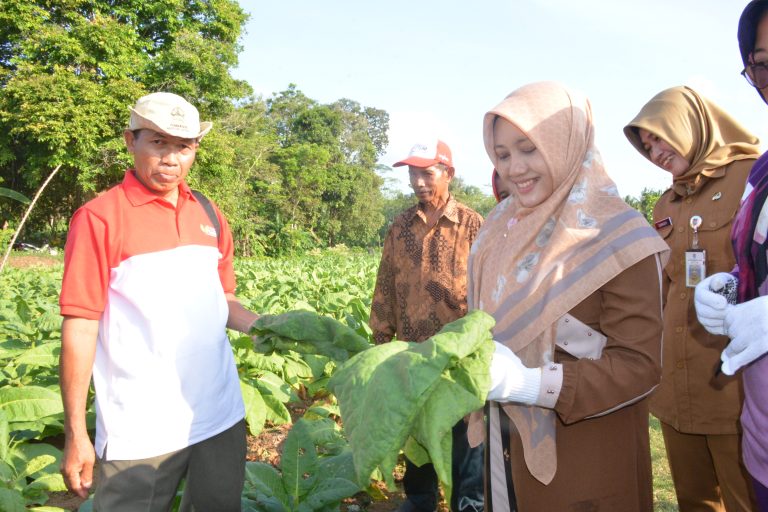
x=712, y=224
x=680, y=229
x=565, y=342
x=683, y=295
x=689, y=200
x=680, y=365
x=589, y=333
x=678, y=329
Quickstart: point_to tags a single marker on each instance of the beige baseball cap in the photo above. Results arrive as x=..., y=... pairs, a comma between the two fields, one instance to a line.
x=168, y=113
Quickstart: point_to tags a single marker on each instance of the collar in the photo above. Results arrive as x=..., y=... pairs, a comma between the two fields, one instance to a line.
x=138, y=194
x=450, y=211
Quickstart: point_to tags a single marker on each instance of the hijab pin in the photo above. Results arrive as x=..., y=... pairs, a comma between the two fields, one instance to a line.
x=717, y=196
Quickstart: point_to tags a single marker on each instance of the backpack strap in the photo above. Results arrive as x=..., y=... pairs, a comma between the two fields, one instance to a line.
x=208, y=207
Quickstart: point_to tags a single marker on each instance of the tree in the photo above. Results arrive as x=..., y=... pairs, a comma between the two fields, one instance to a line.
x=233, y=168
x=327, y=158
x=472, y=196
x=645, y=203
x=70, y=68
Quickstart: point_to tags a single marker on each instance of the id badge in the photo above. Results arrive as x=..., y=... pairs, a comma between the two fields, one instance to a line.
x=695, y=266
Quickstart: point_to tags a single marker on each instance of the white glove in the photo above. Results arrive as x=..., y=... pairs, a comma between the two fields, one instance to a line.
x=747, y=326
x=712, y=307
x=511, y=381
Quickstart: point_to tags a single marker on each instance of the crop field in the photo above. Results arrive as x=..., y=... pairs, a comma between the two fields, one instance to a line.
x=277, y=379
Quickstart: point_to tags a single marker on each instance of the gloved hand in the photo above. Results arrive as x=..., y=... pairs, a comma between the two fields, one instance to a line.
x=747, y=326
x=511, y=381
x=712, y=307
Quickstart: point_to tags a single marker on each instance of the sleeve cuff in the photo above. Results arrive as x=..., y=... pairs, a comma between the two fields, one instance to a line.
x=80, y=312
x=551, y=384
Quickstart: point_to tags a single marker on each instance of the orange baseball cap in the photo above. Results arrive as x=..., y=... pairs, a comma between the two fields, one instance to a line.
x=426, y=154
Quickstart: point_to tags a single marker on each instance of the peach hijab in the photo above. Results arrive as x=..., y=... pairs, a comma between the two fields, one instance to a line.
x=530, y=266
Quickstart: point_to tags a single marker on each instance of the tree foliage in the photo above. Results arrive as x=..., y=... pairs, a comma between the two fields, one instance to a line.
x=645, y=203
x=290, y=173
x=70, y=68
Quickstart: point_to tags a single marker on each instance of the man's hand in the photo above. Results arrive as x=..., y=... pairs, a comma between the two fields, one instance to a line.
x=77, y=465
x=78, y=348
x=511, y=381
x=712, y=307
x=747, y=326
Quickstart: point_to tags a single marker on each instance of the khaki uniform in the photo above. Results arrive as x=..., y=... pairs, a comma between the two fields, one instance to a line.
x=615, y=445
x=691, y=399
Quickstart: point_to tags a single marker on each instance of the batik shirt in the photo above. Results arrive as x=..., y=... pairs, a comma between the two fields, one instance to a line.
x=422, y=279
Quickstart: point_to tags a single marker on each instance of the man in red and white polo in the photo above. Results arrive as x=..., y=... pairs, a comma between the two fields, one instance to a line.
x=148, y=290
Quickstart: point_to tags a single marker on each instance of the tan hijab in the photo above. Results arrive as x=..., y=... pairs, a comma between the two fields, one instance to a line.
x=700, y=131
x=530, y=266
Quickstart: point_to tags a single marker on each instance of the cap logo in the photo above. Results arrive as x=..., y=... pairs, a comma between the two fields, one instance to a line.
x=177, y=112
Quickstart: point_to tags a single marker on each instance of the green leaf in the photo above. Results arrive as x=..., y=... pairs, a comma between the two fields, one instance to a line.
x=338, y=466
x=378, y=424
x=29, y=403
x=7, y=472
x=48, y=483
x=276, y=412
x=11, y=500
x=328, y=492
x=6, y=192
x=4, y=436
x=263, y=481
x=23, y=453
x=255, y=408
x=36, y=464
x=318, y=334
x=46, y=354
x=269, y=383
x=299, y=461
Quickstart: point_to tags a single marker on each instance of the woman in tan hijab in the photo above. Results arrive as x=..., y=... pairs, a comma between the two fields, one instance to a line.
x=709, y=156
x=572, y=276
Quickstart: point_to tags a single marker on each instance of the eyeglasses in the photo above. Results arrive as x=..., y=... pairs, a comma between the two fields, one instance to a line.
x=756, y=74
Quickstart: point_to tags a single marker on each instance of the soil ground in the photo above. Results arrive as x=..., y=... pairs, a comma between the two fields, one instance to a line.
x=25, y=260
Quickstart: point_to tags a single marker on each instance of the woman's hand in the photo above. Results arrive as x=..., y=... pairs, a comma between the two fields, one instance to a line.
x=511, y=381
x=711, y=307
x=747, y=326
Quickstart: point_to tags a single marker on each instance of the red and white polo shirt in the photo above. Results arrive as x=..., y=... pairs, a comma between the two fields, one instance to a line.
x=154, y=275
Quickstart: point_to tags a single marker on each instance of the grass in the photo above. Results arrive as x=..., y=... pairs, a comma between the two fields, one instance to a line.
x=663, y=489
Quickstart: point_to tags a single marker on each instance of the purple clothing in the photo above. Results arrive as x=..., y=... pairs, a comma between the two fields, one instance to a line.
x=750, y=247
x=761, y=496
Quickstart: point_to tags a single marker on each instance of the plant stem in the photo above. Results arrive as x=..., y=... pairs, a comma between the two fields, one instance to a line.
x=26, y=214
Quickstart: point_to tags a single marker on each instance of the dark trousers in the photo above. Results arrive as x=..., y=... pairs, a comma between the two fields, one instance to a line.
x=761, y=495
x=420, y=483
x=214, y=470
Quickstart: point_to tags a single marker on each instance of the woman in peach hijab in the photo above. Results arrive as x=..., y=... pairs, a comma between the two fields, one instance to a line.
x=572, y=276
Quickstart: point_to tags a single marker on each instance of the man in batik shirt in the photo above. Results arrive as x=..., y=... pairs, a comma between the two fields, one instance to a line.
x=421, y=286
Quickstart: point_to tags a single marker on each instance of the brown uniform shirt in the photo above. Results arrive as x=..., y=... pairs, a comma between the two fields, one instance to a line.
x=604, y=462
x=422, y=279
x=690, y=398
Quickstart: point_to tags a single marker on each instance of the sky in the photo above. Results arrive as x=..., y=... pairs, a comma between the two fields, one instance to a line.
x=437, y=66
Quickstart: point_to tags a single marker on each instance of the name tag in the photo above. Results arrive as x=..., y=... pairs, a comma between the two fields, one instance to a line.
x=663, y=223
x=695, y=266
